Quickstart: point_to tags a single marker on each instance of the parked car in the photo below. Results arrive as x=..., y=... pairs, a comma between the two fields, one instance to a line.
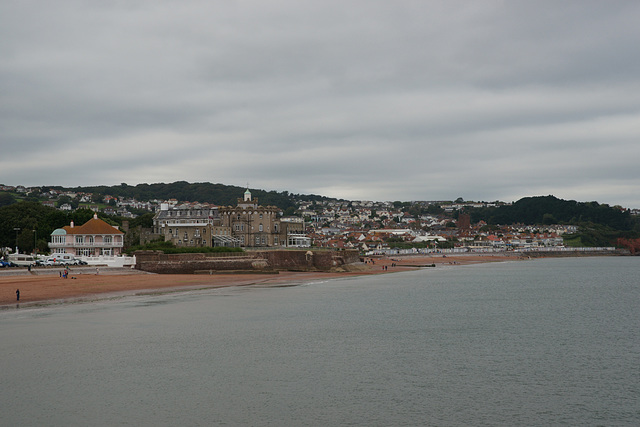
x=61, y=259
x=22, y=260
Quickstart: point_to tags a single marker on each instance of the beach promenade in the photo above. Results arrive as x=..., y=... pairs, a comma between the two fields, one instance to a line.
x=43, y=286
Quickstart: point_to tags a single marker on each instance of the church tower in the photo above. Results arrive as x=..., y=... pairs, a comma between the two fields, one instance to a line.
x=247, y=202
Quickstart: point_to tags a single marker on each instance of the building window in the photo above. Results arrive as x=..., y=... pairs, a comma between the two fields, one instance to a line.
x=260, y=228
x=79, y=239
x=108, y=239
x=186, y=236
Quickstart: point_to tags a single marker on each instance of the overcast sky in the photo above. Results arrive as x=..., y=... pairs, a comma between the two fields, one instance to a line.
x=367, y=100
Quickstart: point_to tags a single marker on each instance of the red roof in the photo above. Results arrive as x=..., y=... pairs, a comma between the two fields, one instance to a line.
x=93, y=226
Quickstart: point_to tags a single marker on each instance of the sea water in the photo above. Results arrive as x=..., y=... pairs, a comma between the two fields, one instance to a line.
x=543, y=342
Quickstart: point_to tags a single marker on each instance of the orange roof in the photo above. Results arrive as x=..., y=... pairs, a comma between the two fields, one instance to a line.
x=93, y=226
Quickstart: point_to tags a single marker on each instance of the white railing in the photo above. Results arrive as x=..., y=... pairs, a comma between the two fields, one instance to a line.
x=111, y=261
x=87, y=245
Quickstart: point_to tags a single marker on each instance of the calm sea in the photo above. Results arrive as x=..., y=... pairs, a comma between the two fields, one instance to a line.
x=534, y=343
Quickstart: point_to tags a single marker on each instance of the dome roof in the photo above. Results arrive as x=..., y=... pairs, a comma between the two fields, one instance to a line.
x=59, y=232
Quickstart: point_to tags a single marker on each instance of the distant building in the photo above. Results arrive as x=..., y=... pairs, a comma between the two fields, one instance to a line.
x=197, y=226
x=252, y=225
x=245, y=225
x=292, y=233
x=109, y=211
x=464, y=221
x=93, y=238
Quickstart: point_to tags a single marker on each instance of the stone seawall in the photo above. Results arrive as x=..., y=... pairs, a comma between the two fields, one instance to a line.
x=561, y=254
x=251, y=261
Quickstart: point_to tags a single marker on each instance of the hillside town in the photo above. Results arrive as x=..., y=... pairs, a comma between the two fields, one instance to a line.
x=371, y=227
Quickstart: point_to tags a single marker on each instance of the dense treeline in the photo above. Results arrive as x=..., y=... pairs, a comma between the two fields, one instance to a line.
x=599, y=224
x=219, y=194
x=36, y=223
x=545, y=210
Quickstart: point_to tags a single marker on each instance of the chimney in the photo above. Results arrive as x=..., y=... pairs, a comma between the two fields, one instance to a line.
x=71, y=224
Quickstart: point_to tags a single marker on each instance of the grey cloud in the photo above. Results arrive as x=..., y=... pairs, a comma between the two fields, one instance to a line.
x=415, y=100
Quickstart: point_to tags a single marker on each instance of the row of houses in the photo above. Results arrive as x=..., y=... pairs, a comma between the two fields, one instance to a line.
x=246, y=225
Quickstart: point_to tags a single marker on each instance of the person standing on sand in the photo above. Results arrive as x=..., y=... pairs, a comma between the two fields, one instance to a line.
x=17, y=294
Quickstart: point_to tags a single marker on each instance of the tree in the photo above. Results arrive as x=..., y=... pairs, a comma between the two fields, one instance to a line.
x=434, y=209
x=6, y=199
x=548, y=219
x=63, y=200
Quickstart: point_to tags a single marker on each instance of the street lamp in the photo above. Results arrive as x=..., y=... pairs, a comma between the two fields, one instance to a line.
x=16, y=230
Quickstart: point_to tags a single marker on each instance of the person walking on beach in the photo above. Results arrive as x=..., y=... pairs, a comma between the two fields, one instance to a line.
x=17, y=294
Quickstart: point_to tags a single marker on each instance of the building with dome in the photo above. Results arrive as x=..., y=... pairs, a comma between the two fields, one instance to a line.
x=93, y=238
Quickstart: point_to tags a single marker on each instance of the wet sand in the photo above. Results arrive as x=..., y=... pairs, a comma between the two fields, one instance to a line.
x=45, y=286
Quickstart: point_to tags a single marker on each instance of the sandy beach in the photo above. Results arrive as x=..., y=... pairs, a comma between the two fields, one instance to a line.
x=45, y=286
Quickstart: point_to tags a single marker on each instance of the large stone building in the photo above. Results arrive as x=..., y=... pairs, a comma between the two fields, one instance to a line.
x=251, y=224
x=246, y=225
x=192, y=225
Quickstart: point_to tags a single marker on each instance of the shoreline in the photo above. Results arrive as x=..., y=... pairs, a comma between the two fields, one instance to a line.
x=45, y=287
